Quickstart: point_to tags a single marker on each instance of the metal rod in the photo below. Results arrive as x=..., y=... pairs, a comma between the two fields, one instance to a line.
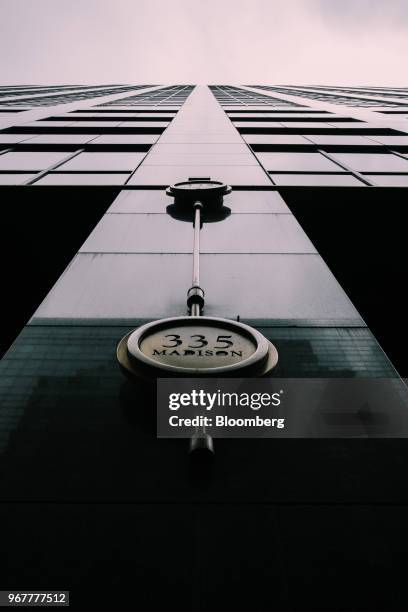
x=195, y=310
x=196, y=244
x=195, y=295
x=201, y=440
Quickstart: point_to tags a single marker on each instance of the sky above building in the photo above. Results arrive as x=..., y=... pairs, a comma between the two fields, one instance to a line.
x=350, y=42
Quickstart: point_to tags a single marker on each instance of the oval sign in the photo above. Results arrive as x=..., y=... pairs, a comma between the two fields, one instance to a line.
x=196, y=346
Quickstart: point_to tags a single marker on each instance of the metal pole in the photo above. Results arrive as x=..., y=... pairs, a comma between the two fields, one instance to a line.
x=195, y=295
x=196, y=244
x=201, y=440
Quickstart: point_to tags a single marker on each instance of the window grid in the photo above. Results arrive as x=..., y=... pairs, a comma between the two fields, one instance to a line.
x=329, y=97
x=174, y=95
x=163, y=96
x=234, y=96
x=49, y=100
x=226, y=94
x=362, y=178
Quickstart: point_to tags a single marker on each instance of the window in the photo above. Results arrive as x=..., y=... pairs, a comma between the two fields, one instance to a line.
x=125, y=139
x=103, y=162
x=90, y=124
x=397, y=141
x=328, y=351
x=12, y=138
x=14, y=179
x=275, y=139
x=389, y=180
x=61, y=139
x=249, y=125
x=309, y=125
x=340, y=140
x=301, y=162
x=55, y=178
x=339, y=180
x=47, y=124
x=373, y=162
x=30, y=160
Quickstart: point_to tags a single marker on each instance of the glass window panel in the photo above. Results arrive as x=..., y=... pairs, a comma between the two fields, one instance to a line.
x=259, y=201
x=91, y=124
x=328, y=352
x=357, y=125
x=258, y=124
x=14, y=179
x=332, y=139
x=373, y=162
x=12, y=138
x=75, y=366
x=270, y=233
x=275, y=139
x=354, y=124
x=103, y=178
x=125, y=139
x=104, y=161
x=118, y=116
x=297, y=161
x=339, y=180
x=156, y=201
x=38, y=160
x=389, y=180
x=131, y=286
x=144, y=108
x=144, y=233
x=248, y=233
x=166, y=175
x=139, y=201
x=307, y=124
x=43, y=124
x=77, y=117
x=391, y=140
x=163, y=107
x=280, y=116
x=61, y=139
x=311, y=117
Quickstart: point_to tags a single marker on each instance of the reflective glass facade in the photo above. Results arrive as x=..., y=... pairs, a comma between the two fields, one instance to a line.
x=139, y=142
x=73, y=429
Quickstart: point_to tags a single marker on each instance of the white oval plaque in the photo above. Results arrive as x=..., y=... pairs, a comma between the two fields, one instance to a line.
x=196, y=346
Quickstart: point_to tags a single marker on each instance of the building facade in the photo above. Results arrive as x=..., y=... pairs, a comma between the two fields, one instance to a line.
x=86, y=169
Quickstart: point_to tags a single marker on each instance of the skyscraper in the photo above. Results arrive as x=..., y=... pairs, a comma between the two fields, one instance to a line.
x=90, y=240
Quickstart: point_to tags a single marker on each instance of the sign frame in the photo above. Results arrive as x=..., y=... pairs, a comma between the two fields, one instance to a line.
x=135, y=362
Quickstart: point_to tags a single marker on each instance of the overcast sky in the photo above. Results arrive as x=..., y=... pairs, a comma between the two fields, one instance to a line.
x=204, y=41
